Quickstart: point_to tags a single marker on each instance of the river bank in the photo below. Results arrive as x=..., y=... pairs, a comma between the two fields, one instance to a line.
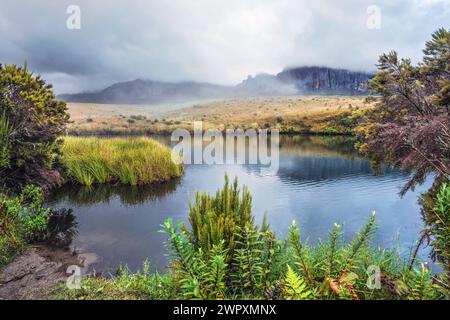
x=37, y=273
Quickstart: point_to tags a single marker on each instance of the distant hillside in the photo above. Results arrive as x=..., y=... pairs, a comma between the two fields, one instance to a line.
x=291, y=81
x=265, y=85
x=148, y=91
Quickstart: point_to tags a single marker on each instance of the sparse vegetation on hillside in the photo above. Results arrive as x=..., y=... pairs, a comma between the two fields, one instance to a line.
x=296, y=114
x=317, y=115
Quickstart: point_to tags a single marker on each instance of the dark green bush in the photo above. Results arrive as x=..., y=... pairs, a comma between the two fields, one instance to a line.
x=31, y=121
x=23, y=219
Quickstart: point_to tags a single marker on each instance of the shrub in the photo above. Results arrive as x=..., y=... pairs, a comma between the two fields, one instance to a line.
x=442, y=228
x=22, y=220
x=217, y=219
x=409, y=129
x=31, y=120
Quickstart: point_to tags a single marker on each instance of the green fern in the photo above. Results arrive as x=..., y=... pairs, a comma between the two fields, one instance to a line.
x=248, y=262
x=421, y=285
x=208, y=262
x=184, y=261
x=295, y=287
x=335, y=237
x=441, y=230
x=359, y=241
x=300, y=253
x=216, y=277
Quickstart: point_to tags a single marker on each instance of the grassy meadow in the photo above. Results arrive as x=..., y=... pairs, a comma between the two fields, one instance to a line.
x=294, y=114
x=130, y=161
x=291, y=114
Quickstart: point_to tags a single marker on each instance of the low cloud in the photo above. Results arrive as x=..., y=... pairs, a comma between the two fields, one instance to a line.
x=203, y=40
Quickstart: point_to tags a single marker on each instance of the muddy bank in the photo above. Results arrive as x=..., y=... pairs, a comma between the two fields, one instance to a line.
x=37, y=272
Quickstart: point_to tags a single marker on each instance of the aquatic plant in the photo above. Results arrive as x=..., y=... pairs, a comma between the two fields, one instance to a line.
x=130, y=161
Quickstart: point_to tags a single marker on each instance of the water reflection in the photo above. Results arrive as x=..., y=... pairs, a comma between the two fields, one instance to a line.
x=128, y=195
x=321, y=180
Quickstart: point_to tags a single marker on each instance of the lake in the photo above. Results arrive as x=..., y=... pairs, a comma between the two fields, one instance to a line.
x=320, y=181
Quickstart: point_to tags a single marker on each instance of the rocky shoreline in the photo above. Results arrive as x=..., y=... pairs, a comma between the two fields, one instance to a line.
x=37, y=273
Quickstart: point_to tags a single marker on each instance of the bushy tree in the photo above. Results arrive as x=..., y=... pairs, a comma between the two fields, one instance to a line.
x=31, y=122
x=410, y=128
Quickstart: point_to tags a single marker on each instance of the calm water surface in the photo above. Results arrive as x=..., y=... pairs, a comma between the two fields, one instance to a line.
x=321, y=180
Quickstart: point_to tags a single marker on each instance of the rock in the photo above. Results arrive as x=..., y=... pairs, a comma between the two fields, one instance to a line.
x=36, y=273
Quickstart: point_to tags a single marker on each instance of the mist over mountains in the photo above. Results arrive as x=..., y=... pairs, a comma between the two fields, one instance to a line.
x=291, y=81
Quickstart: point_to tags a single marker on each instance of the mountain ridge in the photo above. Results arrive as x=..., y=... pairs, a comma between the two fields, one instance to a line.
x=290, y=81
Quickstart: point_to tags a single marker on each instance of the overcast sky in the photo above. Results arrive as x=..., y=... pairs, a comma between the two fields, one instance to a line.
x=206, y=40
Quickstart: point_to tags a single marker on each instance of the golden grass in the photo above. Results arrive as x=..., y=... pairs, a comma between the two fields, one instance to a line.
x=131, y=161
x=295, y=114
x=313, y=114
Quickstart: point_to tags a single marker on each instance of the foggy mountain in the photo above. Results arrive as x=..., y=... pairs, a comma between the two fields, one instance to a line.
x=326, y=80
x=291, y=81
x=148, y=91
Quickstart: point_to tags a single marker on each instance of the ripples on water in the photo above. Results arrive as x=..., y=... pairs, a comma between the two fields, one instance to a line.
x=320, y=181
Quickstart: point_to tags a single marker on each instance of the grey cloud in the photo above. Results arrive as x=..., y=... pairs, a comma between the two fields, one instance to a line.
x=206, y=40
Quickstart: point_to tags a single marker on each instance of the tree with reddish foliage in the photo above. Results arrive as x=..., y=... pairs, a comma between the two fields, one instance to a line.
x=31, y=123
x=410, y=127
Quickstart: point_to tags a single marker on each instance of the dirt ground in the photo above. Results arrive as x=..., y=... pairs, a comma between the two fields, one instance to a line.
x=36, y=274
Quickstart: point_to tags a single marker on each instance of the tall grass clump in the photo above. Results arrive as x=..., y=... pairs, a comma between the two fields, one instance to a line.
x=130, y=161
x=225, y=255
x=5, y=134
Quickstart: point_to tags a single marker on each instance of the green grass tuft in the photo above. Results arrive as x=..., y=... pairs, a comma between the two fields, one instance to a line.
x=131, y=161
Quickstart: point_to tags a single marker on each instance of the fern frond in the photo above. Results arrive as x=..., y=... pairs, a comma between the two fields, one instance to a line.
x=300, y=252
x=362, y=238
x=335, y=236
x=295, y=287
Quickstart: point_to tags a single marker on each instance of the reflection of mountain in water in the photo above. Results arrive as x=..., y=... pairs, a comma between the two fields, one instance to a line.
x=130, y=195
x=319, y=168
x=334, y=146
x=313, y=158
